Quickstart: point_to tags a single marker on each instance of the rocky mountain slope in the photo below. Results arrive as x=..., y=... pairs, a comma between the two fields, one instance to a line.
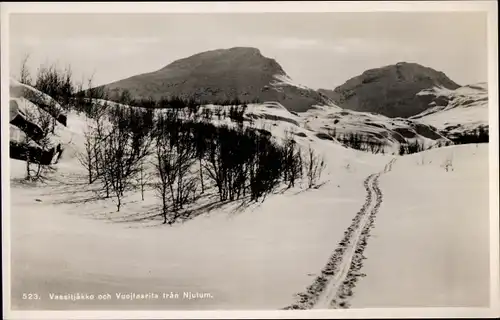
x=391, y=90
x=213, y=76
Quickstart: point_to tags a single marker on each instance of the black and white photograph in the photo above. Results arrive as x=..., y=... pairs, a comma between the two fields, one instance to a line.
x=283, y=157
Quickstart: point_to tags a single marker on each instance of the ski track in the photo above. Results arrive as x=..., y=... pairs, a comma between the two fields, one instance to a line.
x=333, y=287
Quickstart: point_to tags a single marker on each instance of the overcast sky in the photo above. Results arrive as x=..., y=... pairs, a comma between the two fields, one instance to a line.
x=319, y=50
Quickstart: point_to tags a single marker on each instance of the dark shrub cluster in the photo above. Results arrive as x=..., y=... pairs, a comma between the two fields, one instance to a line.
x=479, y=135
x=358, y=141
x=174, y=102
x=411, y=147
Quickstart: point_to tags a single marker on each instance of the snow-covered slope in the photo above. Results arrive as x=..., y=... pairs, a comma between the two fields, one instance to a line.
x=430, y=243
x=64, y=240
x=285, y=80
x=323, y=120
x=453, y=111
x=42, y=100
x=389, y=131
x=331, y=119
x=24, y=107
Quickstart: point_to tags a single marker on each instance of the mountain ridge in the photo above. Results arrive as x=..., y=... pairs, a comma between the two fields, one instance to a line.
x=390, y=90
x=244, y=73
x=221, y=74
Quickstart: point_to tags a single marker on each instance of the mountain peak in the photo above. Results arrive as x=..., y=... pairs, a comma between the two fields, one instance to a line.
x=221, y=74
x=390, y=90
x=243, y=49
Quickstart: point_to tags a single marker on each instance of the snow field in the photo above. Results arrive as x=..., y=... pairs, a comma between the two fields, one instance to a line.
x=430, y=244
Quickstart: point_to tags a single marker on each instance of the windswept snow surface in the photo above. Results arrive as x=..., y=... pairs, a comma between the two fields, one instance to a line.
x=430, y=243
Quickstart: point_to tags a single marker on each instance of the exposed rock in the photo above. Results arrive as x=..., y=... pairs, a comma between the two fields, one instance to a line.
x=405, y=132
x=324, y=136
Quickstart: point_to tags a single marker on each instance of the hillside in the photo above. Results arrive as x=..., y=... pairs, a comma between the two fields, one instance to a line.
x=330, y=123
x=37, y=124
x=372, y=127
x=218, y=75
x=390, y=90
x=456, y=111
x=300, y=248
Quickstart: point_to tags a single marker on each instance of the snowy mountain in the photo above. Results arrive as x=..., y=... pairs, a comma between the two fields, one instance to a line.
x=218, y=75
x=390, y=90
x=456, y=111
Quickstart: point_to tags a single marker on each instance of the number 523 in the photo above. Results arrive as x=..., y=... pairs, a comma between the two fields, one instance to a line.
x=31, y=296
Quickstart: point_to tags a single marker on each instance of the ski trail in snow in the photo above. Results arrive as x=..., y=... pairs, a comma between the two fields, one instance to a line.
x=330, y=293
x=333, y=287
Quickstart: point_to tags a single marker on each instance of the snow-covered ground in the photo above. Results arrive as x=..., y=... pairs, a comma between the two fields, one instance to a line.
x=425, y=250
x=430, y=243
x=428, y=246
x=256, y=258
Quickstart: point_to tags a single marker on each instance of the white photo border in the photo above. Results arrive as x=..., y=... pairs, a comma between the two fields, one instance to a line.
x=490, y=7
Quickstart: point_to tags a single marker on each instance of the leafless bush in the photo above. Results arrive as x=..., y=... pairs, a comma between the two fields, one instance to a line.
x=292, y=161
x=127, y=145
x=421, y=160
x=175, y=155
x=315, y=166
x=448, y=163
x=115, y=151
x=87, y=158
x=24, y=74
x=95, y=145
x=143, y=176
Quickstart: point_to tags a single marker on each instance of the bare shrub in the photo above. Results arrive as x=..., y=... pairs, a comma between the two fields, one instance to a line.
x=39, y=150
x=314, y=167
x=24, y=74
x=175, y=157
x=447, y=164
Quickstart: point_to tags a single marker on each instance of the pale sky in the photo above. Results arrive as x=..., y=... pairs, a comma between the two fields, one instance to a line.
x=319, y=50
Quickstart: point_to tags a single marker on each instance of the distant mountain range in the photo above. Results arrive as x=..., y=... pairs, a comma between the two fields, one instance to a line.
x=244, y=73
